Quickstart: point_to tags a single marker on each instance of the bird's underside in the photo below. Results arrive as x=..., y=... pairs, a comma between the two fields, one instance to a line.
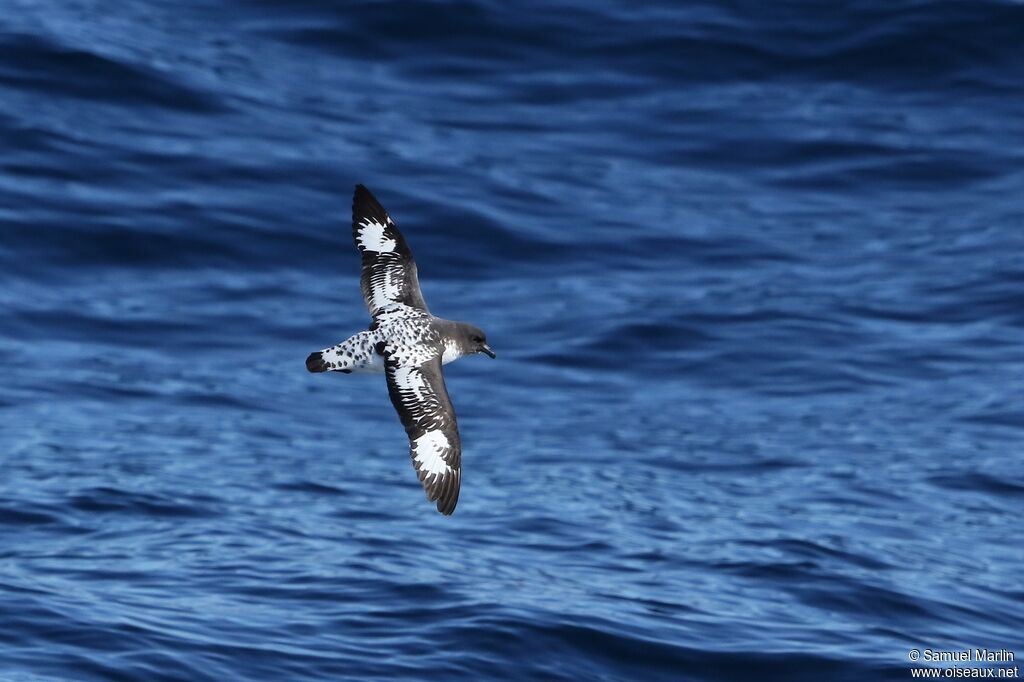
x=409, y=345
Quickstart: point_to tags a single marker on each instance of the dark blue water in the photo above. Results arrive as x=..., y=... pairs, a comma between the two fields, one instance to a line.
x=755, y=276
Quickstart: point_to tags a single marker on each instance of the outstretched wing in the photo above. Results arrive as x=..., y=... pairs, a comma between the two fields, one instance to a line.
x=389, y=271
x=421, y=399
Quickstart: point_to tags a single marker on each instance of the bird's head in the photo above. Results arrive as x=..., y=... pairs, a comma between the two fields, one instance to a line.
x=475, y=341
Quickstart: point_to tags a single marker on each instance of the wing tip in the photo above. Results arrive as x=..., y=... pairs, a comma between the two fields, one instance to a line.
x=447, y=507
x=366, y=205
x=443, y=490
x=448, y=495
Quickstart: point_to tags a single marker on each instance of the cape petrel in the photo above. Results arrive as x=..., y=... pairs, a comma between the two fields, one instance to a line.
x=409, y=345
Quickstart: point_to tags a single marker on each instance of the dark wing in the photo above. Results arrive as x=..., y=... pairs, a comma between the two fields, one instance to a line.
x=389, y=271
x=421, y=399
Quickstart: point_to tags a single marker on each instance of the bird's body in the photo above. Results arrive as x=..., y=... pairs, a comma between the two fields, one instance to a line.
x=415, y=335
x=408, y=344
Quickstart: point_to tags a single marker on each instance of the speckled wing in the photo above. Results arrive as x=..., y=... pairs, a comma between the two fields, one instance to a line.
x=389, y=271
x=421, y=400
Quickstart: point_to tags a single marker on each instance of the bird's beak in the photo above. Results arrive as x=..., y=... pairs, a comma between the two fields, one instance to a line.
x=487, y=349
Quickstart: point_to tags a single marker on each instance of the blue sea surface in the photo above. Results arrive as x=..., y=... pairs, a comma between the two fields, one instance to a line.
x=754, y=272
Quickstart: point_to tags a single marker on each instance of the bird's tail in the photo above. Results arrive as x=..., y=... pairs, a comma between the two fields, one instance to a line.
x=316, y=363
x=357, y=354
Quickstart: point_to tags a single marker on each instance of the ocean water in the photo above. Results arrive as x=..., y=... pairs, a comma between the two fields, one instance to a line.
x=754, y=273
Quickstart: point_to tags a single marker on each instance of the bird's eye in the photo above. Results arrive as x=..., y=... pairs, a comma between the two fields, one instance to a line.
x=477, y=339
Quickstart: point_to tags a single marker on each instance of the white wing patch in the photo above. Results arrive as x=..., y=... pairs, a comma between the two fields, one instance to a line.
x=411, y=379
x=371, y=237
x=428, y=452
x=387, y=284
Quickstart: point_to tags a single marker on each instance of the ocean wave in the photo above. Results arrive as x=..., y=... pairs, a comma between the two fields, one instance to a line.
x=753, y=277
